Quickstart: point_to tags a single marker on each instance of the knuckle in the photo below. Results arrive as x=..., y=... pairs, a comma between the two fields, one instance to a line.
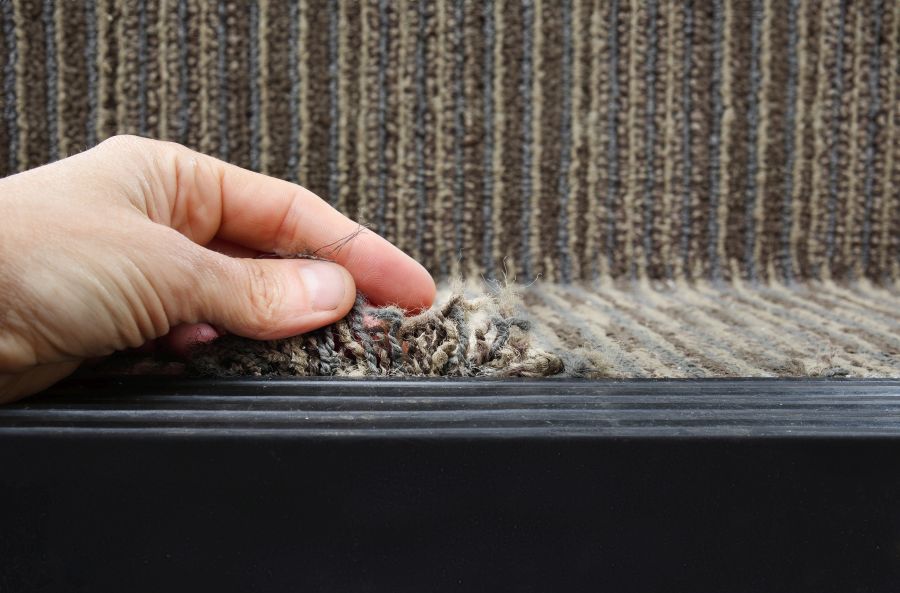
x=288, y=231
x=127, y=150
x=121, y=142
x=137, y=145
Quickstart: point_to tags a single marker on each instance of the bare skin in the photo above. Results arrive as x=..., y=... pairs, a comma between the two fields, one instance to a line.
x=137, y=240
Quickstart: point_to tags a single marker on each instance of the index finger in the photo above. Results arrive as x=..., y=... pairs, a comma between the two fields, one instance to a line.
x=215, y=198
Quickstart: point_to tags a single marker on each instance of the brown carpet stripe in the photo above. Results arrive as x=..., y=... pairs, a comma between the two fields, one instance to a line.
x=393, y=202
x=206, y=73
x=497, y=157
x=8, y=126
x=670, y=156
x=386, y=123
x=581, y=139
x=474, y=137
x=532, y=72
x=24, y=18
x=427, y=90
x=260, y=87
x=799, y=328
x=699, y=342
x=166, y=30
x=769, y=157
x=369, y=133
x=294, y=123
x=594, y=264
x=403, y=184
x=348, y=32
x=188, y=67
x=442, y=102
x=699, y=105
x=634, y=133
x=576, y=140
x=890, y=218
x=701, y=327
x=618, y=141
x=150, y=72
x=125, y=76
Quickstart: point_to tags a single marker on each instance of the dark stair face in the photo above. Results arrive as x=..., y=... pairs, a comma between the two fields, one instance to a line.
x=149, y=485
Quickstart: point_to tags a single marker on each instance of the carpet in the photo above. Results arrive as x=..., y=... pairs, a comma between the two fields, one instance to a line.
x=609, y=330
x=700, y=188
x=736, y=330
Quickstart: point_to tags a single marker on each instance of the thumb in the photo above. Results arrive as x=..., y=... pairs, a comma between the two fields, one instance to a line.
x=267, y=299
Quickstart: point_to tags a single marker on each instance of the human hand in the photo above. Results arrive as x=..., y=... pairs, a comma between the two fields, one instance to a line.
x=137, y=239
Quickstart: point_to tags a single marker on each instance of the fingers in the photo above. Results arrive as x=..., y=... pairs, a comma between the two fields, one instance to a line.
x=183, y=337
x=265, y=299
x=207, y=198
x=272, y=215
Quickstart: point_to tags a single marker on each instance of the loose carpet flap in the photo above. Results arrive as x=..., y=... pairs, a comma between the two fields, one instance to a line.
x=607, y=330
x=485, y=334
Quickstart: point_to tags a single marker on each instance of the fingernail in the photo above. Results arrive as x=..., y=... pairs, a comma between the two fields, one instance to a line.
x=325, y=285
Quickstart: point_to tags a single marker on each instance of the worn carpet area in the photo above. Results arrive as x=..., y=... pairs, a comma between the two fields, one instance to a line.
x=464, y=336
x=606, y=330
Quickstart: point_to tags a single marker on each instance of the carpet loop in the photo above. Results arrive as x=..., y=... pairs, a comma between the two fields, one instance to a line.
x=462, y=338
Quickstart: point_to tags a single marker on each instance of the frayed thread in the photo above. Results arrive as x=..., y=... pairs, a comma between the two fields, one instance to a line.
x=481, y=336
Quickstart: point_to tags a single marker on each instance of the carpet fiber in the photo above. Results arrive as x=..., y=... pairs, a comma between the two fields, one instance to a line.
x=463, y=337
x=572, y=139
x=618, y=331
x=821, y=330
x=721, y=177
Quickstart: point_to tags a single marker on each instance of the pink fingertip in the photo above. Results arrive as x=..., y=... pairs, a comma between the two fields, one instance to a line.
x=183, y=337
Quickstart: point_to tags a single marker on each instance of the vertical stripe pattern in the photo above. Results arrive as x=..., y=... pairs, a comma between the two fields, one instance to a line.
x=575, y=140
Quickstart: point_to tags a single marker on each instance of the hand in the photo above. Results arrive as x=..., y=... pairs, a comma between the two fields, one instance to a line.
x=120, y=244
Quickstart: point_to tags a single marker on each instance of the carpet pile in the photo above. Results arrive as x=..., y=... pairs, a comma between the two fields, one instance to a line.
x=698, y=188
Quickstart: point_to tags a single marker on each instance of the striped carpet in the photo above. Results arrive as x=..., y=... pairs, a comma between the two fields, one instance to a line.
x=604, y=330
x=727, y=149
x=571, y=139
x=703, y=330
